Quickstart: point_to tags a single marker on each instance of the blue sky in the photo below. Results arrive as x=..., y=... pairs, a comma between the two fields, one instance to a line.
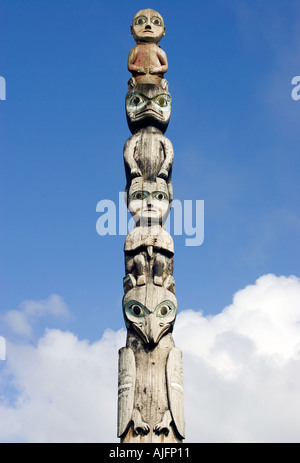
x=234, y=128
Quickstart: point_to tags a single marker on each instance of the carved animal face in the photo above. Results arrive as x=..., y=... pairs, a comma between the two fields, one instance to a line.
x=148, y=105
x=147, y=26
x=148, y=202
x=151, y=311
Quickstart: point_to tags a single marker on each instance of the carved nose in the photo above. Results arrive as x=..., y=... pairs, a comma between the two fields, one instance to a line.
x=148, y=26
x=149, y=201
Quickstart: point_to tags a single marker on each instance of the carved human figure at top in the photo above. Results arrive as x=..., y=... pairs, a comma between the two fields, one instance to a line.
x=147, y=61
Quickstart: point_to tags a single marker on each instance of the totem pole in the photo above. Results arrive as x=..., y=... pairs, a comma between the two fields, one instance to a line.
x=150, y=394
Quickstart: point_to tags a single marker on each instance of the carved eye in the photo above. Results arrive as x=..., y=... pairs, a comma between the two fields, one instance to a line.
x=156, y=21
x=165, y=309
x=139, y=195
x=135, y=100
x=163, y=100
x=160, y=196
x=140, y=20
x=136, y=310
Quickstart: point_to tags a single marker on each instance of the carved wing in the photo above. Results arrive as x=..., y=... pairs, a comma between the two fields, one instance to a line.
x=175, y=389
x=169, y=155
x=131, y=167
x=127, y=374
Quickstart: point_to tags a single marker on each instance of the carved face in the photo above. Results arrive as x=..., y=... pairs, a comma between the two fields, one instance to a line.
x=148, y=202
x=151, y=311
x=148, y=105
x=147, y=26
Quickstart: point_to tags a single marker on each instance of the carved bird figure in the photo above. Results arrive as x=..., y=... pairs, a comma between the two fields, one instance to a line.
x=150, y=407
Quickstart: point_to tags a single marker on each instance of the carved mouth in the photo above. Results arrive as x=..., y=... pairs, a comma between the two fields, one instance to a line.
x=149, y=111
x=150, y=209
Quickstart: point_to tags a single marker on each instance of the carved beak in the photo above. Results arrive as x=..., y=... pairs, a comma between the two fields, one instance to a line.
x=152, y=332
x=140, y=331
x=155, y=329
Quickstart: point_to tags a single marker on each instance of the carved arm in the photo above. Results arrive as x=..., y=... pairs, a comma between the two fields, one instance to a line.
x=163, y=61
x=130, y=163
x=131, y=66
x=169, y=156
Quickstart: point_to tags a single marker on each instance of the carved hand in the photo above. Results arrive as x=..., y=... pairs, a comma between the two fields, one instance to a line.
x=163, y=174
x=142, y=70
x=139, y=426
x=164, y=426
x=135, y=172
x=154, y=70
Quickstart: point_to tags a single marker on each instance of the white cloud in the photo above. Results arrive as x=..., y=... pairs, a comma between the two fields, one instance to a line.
x=17, y=322
x=241, y=375
x=267, y=314
x=65, y=389
x=54, y=305
x=20, y=321
x=242, y=367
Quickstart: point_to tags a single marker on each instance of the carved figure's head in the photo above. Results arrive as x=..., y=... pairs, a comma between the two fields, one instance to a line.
x=148, y=105
x=149, y=202
x=147, y=26
x=151, y=311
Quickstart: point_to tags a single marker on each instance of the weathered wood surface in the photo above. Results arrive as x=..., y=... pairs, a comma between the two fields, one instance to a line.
x=151, y=416
x=150, y=391
x=147, y=61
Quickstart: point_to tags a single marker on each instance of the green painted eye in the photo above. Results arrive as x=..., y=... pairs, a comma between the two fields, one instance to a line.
x=163, y=101
x=136, y=100
x=136, y=310
x=160, y=196
x=164, y=309
x=139, y=195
